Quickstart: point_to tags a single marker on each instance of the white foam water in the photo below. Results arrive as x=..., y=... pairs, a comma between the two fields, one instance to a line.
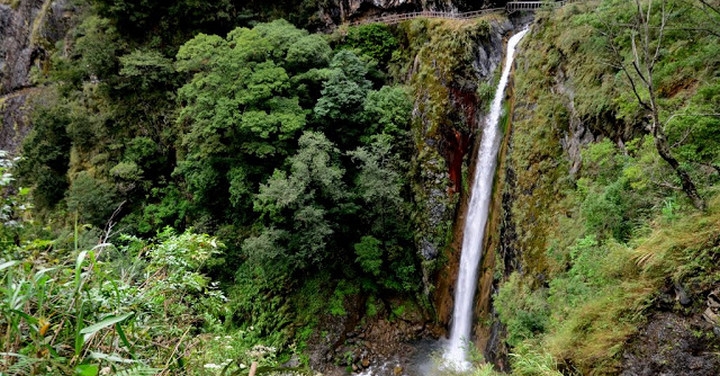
x=455, y=355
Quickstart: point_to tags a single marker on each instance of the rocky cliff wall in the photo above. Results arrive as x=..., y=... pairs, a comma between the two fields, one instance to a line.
x=29, y=30
x=561, y=109
x=452, y=75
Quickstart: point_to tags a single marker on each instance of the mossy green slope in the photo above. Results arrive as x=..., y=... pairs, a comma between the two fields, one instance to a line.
x=603, y=226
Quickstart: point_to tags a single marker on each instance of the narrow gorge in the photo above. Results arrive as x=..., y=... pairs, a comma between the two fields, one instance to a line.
x=476, y=221
x=470, y=188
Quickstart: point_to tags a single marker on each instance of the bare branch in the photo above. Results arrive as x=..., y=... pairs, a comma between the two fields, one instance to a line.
x=684, y=137
x=618, y=64
x=714, y=167
x=663, y=22
x=645, y=80
x=707, y=5
x=635, y=91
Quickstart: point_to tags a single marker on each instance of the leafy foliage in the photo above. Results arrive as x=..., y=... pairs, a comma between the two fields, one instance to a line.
x=115, y=304
x=374, y=40
x=47, y=156
x=296, y=155
x=298, y=207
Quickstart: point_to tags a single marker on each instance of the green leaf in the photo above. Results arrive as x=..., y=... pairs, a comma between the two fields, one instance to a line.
x=8, y=264
x=87, y=370
x=78, y=268
x=124, y=339
x=30, y=319
x=41, y=273
x=104, y=323
x=79, y=339
x=111, y=358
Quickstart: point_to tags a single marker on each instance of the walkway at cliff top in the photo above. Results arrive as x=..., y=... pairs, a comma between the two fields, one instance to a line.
x=510, y=7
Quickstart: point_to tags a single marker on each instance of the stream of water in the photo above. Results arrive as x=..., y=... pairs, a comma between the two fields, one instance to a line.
x=455, y=355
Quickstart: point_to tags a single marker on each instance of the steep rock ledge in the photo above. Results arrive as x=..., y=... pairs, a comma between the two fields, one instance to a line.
x=551, y=124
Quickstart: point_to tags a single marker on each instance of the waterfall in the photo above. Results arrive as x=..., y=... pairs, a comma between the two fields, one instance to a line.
x=474, y=231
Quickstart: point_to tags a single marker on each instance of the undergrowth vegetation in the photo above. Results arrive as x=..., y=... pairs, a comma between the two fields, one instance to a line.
x=602, y=220
x=131, y=307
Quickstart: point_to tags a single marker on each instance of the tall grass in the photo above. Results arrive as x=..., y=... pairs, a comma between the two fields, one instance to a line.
x=90, y=314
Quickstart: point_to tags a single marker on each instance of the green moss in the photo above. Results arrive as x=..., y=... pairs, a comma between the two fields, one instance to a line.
x=598, y=245
x=439, y=53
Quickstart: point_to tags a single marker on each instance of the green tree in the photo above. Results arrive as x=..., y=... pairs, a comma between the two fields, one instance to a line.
x=309, y=51
x=386, y=248
x=94, y=200
x=369, y=255
x=345, y=90
x=387, y=111
x=239, y=112
x=343, y=95
x=46, y=156
x=637, y=61
x=145, y=69
x=97, y=47
x=374, y=40
x=379, y=183
x=170, y=21
x=300, y=209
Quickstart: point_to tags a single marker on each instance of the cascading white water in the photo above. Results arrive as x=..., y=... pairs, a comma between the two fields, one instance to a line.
x=477, y=214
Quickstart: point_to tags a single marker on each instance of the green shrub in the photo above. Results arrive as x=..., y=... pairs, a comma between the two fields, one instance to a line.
x=525, y=312
x=135, y=306
x=374, y=40
x=94, y=200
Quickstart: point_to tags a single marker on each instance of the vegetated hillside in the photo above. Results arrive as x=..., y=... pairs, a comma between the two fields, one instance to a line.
x=296, y=151
x=293, y=154
x=619, y=268
x=329, y=168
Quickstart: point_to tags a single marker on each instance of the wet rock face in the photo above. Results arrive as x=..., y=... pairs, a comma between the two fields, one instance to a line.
x=27, y=31
x=673, y=345
x=444, y=153
x=15, y=125
x=357, y=343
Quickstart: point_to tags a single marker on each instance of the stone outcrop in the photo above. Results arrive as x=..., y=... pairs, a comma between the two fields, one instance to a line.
x=672, y=344
x=29, y=30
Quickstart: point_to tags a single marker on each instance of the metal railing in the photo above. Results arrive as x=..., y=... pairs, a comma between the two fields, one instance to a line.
x=512, y=6
x=397, y=18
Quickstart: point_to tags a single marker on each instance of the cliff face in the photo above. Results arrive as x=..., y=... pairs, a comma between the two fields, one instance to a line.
x=452, y=71
x=29, y=30
x=600, y=280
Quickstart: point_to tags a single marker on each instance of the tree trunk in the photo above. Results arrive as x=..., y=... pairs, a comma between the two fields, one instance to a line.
x=663, y=147
x=688, y=186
